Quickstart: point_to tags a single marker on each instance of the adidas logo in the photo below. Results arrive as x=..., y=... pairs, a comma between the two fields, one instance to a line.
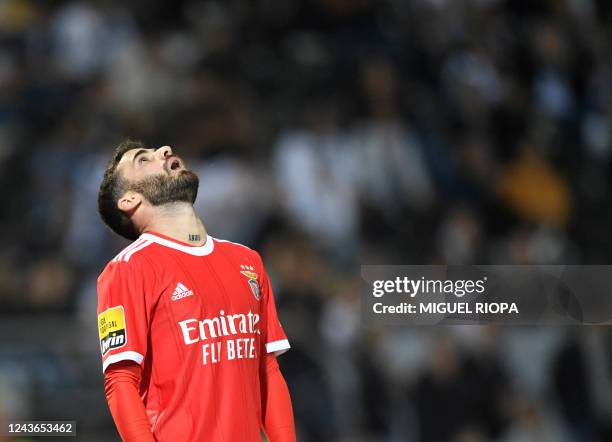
x=181, y=292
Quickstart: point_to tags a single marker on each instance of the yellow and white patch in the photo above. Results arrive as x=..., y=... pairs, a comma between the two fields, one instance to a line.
x=111, y=329
x=250, y=275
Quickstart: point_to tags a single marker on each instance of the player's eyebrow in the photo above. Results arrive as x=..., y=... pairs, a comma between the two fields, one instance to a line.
x=140, y=152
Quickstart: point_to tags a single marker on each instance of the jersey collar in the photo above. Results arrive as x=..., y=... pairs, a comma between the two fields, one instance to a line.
x=203, y=250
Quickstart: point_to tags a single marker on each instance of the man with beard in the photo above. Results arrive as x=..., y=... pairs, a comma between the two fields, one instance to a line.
x=187, y=323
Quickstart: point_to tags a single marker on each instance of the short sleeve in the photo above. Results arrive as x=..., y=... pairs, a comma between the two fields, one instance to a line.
x=274, y=336
x=123, y=312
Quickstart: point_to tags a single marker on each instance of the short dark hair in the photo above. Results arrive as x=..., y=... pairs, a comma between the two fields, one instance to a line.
x=112, y=188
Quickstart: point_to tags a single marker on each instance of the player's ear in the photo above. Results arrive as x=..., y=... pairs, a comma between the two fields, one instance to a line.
x=129, y=201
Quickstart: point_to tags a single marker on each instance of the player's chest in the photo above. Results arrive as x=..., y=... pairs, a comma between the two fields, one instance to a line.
x=208, y=288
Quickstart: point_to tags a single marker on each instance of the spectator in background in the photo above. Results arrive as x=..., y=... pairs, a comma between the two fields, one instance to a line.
x=315, y=170
x=397, y=174
x=442, y=394
x=535, y=190
x=570, y=381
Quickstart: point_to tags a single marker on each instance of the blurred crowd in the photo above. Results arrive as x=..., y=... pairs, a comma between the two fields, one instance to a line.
x=327, y=134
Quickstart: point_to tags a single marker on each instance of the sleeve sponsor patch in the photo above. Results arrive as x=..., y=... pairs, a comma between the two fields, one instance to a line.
x=111, y=329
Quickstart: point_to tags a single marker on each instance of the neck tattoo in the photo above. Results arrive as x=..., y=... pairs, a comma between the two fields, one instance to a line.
x=194, y=237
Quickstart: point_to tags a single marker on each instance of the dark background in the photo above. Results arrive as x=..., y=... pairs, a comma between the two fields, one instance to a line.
x=327, y=134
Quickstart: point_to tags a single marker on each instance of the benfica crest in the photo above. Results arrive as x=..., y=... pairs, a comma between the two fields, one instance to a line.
x=253, y=283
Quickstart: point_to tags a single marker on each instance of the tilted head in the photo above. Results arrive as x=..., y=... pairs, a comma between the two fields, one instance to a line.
x=138, y=177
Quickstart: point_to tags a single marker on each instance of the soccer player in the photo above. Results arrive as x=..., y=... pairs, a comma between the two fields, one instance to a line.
x=188, y=326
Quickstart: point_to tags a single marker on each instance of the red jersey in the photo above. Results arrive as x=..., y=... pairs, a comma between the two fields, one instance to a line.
x=198, y=320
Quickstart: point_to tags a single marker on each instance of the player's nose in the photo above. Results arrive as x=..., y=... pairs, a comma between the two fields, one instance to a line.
x=164, y=151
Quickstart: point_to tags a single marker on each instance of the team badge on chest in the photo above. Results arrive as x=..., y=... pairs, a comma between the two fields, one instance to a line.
x=252, y=280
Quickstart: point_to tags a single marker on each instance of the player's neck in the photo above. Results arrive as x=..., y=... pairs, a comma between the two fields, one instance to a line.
x=178, y=221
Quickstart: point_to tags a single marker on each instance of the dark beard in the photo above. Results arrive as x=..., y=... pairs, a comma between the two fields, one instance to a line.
x=163, y=189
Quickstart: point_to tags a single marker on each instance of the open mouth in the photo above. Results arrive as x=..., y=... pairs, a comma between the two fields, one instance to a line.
x=174, y=163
